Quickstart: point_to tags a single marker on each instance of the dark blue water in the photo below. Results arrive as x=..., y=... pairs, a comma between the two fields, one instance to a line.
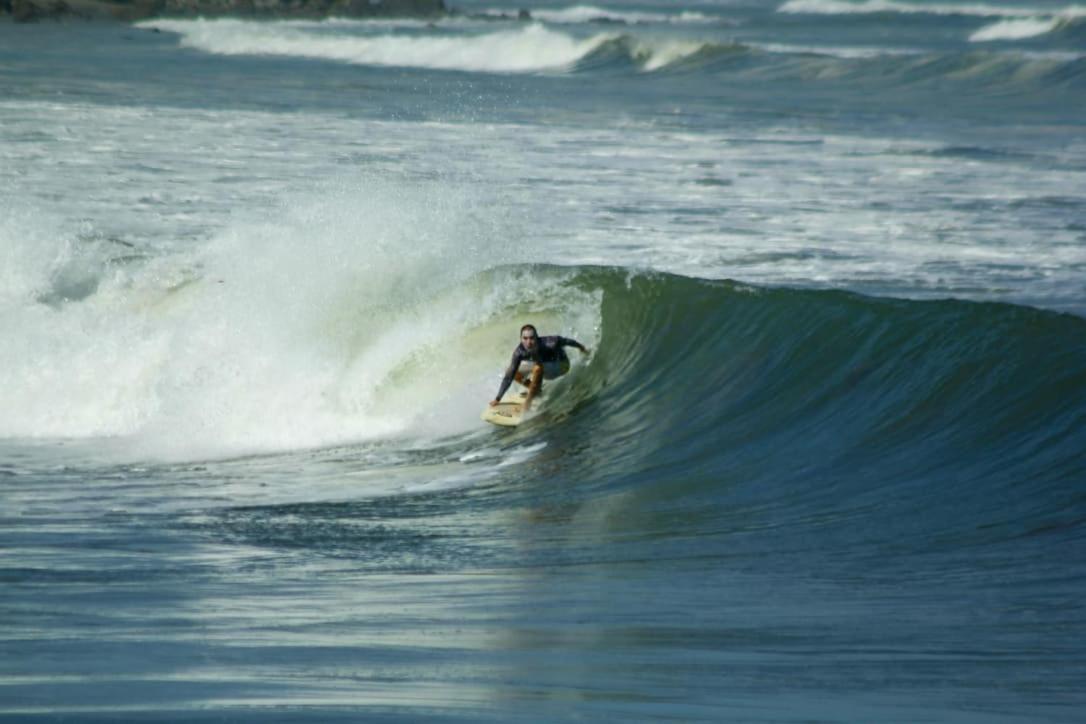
x=825, y=462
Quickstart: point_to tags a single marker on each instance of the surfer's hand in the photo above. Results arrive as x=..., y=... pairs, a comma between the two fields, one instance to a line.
x=586, y=351
x=493, y=403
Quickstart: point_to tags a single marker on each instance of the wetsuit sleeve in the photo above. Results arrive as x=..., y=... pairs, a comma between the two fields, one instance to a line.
x=508, y=379
x=567, y=342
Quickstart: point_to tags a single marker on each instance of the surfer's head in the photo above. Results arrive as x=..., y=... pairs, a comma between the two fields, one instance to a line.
x=528, y=336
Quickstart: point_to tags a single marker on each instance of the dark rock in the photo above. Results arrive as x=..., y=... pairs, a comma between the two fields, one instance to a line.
x=130, y=10
x=36, y=10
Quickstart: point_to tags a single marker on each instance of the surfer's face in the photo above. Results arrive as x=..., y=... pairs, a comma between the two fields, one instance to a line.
x=527, y=338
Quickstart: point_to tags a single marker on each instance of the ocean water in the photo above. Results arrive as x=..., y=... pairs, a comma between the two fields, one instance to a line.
x=826, y=461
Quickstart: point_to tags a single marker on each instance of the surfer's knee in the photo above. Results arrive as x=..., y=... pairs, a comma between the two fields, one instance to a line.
x=537, y=376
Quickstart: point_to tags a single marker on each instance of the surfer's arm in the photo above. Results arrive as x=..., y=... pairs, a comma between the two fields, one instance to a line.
x=568, y=342
x=509, y=373
x=506, y=381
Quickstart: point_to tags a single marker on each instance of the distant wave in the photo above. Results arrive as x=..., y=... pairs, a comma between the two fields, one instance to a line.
x=591, y=14
x=536, y=48
x=657, y=54
x=1016, y=29
x=881, y=69
x=1064, y=26
x=843, y=52
x=532, y=48
x=973, y=153
x=528, y=49
x=1030, y=17
x=1013, y=22
x=865, y=7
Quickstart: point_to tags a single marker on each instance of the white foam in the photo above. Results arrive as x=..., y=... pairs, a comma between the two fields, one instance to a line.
x=578, y=14
x=237, y=354
x=532, y=48
x=846, y=7
x=1015, y=29
x=326, y=325
x=68, y=371
x=347, y=314
x=485, y=465
x=31, y=248
x=657, y=54
x=837, y=52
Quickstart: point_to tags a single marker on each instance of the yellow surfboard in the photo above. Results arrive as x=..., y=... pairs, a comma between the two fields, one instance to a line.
x=507, y=413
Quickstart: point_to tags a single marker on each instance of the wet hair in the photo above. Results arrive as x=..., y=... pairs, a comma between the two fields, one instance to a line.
x=531, y=327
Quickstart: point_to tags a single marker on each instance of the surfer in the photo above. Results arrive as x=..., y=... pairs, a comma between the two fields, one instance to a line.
x=536, y=359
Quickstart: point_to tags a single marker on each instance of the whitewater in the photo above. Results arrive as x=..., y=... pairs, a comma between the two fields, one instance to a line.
x=259, y=278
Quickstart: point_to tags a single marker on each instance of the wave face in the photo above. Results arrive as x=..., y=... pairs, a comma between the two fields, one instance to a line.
x=825, y=403
x=760, y=419
x=884, y=429
x=885, y=406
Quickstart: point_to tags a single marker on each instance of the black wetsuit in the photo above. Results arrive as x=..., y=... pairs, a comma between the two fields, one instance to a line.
x=547, y=349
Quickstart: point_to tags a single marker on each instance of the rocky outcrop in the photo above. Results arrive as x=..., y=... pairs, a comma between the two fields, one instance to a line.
x=129, y=10
x=303, y=8
x=26, y=11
